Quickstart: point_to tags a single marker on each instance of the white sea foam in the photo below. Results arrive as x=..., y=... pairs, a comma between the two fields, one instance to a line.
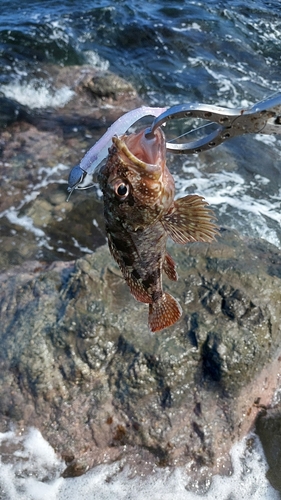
x=32, y=472
x=23, y=221
x=187, y=27
x=46, y=176
x=37, y=94
x=267, y=139
x=81, y=247
x=231, y=90
x=95, y=60
x=235, y=198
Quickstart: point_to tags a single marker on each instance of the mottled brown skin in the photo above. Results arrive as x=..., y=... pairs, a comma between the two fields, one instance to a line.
x=141, y=213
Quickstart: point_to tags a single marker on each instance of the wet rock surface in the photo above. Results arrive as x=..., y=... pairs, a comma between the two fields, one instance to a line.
x=37, y=149
x=79, y=363
x=268, y=428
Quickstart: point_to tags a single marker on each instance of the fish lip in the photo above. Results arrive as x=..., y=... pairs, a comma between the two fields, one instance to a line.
x=158, y=154
x=121, y=146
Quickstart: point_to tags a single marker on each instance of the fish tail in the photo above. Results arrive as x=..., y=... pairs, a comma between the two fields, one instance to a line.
x=163, y=313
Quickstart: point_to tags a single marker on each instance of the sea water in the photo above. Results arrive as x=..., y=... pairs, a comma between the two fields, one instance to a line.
x=217, y=52
x=33, y=472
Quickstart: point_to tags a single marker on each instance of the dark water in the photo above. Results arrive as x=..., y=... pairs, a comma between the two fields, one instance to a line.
x=169, y=50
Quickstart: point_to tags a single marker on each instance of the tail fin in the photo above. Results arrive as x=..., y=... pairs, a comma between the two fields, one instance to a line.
x=163, y=313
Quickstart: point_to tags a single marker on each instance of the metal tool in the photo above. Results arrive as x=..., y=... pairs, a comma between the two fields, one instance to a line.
x=262, y=118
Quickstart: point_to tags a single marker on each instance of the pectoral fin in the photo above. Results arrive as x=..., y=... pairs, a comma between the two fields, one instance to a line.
x=190, y=220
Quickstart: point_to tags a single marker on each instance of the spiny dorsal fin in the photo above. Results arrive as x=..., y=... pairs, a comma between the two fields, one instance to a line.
x=169, y=267
x=190, y=220
x=163, y=313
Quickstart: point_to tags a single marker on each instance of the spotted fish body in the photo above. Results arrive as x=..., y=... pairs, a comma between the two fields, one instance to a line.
x=141, y=213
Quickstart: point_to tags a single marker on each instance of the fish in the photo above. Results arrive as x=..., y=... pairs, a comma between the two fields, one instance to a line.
x=141, y=212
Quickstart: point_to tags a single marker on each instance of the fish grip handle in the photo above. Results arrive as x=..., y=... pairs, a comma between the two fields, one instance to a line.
x=264, y=117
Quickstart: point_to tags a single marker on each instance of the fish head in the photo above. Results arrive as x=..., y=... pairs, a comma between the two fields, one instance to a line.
x=135, y=180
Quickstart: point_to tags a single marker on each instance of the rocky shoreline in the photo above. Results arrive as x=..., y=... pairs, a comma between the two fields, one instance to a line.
x=77, y=360
x=37, y=149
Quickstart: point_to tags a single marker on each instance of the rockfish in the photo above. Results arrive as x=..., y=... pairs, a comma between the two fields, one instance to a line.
x=141, y=213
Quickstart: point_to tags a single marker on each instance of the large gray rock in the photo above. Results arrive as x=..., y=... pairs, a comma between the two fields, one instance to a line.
x=79, y=362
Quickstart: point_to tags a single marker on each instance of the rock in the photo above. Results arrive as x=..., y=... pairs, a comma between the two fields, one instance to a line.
x=71, y=129
x=109, y=86
x=38, y=147
x=268, y=428
x=79, y=363
x=11, y=111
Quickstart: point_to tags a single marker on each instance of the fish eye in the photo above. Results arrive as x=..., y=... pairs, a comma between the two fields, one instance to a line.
x=121, y=189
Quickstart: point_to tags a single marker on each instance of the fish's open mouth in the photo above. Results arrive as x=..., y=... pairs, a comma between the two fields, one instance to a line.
x=140, y=150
